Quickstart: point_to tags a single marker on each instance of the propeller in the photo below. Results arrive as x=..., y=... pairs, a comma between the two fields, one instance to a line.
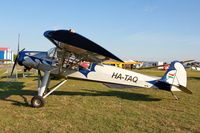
x=163, y=65
x=16, y=59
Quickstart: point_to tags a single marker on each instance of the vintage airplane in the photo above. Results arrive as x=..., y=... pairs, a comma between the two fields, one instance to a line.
x=67, y=60
x=165, y=66
x=121, y=64
x=197, y=68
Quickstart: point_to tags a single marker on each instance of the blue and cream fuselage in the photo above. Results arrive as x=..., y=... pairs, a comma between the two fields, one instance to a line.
x=96, y=72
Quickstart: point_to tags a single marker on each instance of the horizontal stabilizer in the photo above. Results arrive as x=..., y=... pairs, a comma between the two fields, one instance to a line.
x=184, y=89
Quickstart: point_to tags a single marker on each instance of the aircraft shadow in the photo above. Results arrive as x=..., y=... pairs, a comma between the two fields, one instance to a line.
x=20, y=75
x=114, y=93
x=8, y=89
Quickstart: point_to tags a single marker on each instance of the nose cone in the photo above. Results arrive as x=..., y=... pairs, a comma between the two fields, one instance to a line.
x=20, y=57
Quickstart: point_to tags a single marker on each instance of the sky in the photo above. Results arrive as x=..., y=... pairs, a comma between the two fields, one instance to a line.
x=147, y=30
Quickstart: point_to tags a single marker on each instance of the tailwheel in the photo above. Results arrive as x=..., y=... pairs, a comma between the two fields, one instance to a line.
x=37, y=101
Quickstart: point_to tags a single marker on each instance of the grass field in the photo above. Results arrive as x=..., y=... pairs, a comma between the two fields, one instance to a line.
x=80, y=106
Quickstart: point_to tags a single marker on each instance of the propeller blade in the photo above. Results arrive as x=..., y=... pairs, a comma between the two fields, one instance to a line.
x=14, y=64
x=18, y=43
x=16, y=61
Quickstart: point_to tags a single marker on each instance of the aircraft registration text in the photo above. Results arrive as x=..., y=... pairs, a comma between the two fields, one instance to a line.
x=124, y=77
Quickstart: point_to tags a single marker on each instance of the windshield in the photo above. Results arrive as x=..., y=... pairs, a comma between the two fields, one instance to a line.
x=52, y=53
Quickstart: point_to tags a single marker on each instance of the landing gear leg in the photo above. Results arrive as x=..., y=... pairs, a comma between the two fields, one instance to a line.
x=38, y=101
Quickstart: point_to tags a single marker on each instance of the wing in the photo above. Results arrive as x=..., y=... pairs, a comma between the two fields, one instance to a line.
x=123, y=63
x=75, y=43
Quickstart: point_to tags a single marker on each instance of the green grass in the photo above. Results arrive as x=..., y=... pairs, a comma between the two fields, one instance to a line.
x=80, y=106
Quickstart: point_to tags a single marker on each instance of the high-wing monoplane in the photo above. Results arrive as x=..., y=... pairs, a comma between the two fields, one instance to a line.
x=78, y=57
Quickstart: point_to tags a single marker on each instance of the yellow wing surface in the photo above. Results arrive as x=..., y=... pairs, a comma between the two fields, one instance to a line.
x=121, y=64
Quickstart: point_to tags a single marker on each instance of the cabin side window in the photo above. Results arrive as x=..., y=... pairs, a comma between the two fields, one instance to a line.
x=52, y=53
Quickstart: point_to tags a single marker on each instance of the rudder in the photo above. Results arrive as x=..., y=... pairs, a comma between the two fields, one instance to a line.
x=176, y=77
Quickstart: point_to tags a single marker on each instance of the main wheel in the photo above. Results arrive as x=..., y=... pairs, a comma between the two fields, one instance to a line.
x=37, y=101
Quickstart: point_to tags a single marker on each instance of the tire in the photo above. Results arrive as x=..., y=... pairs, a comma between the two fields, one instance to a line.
x=37, y=101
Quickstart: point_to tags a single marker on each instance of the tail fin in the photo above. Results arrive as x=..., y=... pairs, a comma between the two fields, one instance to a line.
x=175, y=79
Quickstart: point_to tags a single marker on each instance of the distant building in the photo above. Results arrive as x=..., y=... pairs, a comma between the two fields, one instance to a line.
x=6, y=54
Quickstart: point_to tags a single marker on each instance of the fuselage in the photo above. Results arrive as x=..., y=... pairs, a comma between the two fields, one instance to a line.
x=95, y=72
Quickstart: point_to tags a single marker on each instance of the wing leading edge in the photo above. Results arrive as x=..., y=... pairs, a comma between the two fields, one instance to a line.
x=73, y=42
